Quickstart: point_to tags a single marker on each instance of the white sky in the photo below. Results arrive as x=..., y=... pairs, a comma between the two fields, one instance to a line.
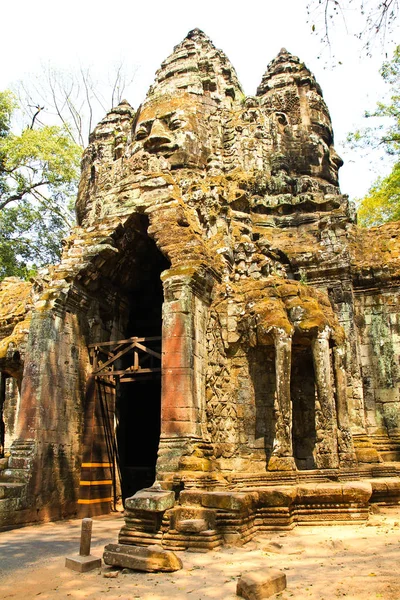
x=250, y=32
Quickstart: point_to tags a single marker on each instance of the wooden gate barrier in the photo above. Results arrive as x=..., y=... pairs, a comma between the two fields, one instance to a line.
x=113, y=363
x=125, y=360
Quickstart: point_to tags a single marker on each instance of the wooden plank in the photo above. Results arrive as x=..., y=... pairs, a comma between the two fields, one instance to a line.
x=148, y=350
x=116, y=357
x=128, y=372
x=140, y=378
x=136, y=365
x=137, y=339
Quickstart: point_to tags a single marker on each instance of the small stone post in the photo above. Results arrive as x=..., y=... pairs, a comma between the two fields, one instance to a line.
x=86, y=537
x=84, y=561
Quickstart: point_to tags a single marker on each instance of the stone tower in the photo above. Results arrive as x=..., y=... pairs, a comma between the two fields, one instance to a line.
x=218, y=325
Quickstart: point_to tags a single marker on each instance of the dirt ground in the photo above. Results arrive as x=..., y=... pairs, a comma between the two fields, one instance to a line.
x=359, y=562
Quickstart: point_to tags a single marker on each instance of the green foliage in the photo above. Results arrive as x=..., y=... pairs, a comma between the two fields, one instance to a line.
x=382, y=203
x=39, y=169
x=7, y=106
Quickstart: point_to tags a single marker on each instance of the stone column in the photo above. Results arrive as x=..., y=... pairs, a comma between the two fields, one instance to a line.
x=347, y=456
x=183, y=443
x=282, y=454
x=326, y=446
x=2, y=401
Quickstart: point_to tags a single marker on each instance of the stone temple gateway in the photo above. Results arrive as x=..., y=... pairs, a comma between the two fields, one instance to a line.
x=219, y=334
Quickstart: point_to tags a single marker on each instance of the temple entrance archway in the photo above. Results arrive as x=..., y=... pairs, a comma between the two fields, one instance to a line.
x=127, y=366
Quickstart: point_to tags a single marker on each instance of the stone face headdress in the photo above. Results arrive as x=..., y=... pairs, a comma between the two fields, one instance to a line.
x=197, y=67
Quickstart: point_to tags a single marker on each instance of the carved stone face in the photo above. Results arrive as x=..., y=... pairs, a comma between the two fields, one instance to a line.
x=177, y=129
x=325, y=161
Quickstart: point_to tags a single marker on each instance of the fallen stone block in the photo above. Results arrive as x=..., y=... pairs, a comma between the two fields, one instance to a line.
x=141, y=558
x=260, y=584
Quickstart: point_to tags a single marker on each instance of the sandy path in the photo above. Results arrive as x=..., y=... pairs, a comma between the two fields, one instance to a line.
x=359, y=562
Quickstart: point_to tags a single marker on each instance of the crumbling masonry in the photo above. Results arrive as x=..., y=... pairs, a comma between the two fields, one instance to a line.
x=218, y=323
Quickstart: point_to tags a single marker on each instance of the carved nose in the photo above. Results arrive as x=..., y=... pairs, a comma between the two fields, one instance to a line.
x=159, y=134
x=335, y=158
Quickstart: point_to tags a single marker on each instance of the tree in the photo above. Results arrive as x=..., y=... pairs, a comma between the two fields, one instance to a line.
x=39, y=169
x=39, y=164
x=368, y=20
x=75, y=98
x=382, y=203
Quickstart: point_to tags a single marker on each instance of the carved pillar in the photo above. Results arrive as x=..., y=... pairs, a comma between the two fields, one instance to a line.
x=2, y=401
x=347, y=456
x=326, y=446
x=183, y=444
x=282, y=454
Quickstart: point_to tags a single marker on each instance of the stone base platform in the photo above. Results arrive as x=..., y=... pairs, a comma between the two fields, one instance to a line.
x=204, y=520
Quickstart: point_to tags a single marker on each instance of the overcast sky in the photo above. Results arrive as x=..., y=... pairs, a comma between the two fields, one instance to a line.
x=250, y=32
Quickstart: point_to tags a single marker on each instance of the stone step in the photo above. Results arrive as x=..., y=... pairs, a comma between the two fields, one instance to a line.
x=14, y=475
x=9, y=505
x=19, y=462
x=22, y=451
x=10, y=490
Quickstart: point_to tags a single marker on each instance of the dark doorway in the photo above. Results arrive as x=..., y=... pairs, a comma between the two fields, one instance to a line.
x=138, y=402
x=9, y=406
x=303, y=394
x=138, y=433
x=262, y=372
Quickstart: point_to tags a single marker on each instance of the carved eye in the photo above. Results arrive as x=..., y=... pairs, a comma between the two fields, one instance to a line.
x=175, y=124
x=141, y=133
x=282, y=118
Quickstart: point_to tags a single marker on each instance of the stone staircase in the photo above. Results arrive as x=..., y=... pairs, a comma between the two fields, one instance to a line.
x=388, y=447
x=14, y=475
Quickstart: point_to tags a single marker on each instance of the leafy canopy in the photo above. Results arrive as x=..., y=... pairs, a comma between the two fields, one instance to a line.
x=39, y=170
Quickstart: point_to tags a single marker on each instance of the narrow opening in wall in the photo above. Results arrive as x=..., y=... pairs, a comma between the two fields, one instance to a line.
x=262, y=372
x=9, y=406
x=138, y=406
x=303, y=394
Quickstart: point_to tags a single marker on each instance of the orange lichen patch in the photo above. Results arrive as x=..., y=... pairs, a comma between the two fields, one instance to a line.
x=14, y=296
x=15, y=313
x=376, y=249
x=177, y=235
x=271, y=315
x=17, y=338
x=275, y=306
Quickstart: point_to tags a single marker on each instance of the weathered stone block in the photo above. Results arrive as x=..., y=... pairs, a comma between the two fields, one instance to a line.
x=261, y=584
x=281, y=496
x=151, y=499
x=191, y=525
x=195, y=463
x=281, y=463
x=228, y=500
x=320, y=493
x=141, y=558
x=357, y=491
